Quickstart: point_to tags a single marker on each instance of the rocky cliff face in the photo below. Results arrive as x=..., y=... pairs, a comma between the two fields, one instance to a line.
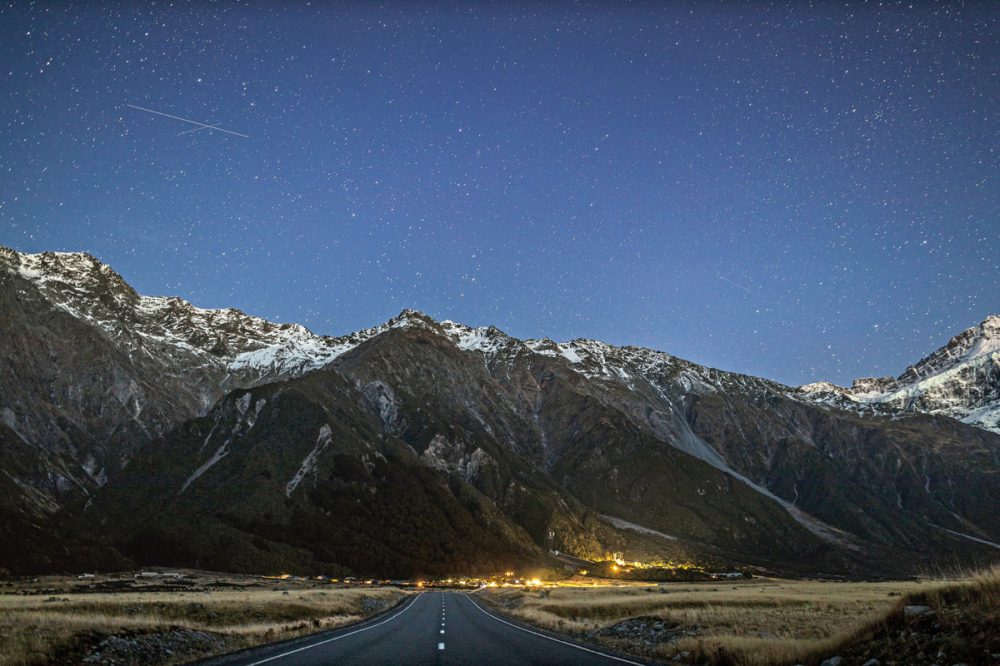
x=960, y=380
x=212, y=438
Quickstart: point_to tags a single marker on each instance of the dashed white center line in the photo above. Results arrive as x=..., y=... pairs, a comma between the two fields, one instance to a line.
x=440, y=646
x=442, y=631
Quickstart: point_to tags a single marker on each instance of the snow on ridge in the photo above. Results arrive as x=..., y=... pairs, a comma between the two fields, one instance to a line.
x=542, y=346
x=487, y=340
x=989, y=341
x=289, y=356
x=248, y=342
x=821, y=387
x=160, y=327
x=33, y=266
x=951, y=391
x=471, y=339
x=406, y=319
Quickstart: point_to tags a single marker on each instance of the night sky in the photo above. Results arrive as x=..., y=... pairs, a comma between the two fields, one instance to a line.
x=796, y=192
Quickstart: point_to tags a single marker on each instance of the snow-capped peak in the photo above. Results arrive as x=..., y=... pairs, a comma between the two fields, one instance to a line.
x=961, y=380
x=166, y=327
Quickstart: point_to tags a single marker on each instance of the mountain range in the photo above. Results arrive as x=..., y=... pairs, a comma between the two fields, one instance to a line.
x=141, y=430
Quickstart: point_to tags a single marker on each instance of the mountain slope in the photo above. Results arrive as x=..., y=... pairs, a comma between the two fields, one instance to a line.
x=731, y=468
x=885, y=478
x=297, y=476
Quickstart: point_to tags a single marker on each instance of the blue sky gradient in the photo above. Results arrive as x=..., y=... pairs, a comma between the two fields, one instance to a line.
x=796, y=191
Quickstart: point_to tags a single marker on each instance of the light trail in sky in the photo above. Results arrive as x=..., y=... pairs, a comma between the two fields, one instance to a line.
x=737, y=284
x=198, y=129
x=193, y=122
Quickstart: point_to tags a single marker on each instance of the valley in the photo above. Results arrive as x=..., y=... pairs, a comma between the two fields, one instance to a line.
x=534, y=334
x=178, y=616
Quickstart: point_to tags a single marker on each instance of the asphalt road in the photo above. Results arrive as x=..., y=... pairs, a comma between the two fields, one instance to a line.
x=430, y=628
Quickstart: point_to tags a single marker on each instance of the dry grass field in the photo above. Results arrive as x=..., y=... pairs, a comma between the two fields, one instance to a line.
x=760, y=621
x=157, y=626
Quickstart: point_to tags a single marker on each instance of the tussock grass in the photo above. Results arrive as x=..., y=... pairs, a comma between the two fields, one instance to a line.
x=981, y=592
x=749, y=623
x=33, y=628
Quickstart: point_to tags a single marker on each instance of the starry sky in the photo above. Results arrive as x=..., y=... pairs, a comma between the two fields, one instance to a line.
x=795, y=191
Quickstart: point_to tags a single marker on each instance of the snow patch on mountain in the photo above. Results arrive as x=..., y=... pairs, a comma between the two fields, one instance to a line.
x=9, y=418
x=485, y=339
x=308, y=465
x=296, y=356
x=219, y=454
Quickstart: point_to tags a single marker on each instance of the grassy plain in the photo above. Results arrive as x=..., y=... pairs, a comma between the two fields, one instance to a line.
x=760, y=621
x=747, y=623
x=65, y=621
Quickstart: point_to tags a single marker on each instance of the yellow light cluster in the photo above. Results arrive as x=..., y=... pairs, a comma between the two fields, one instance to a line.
x=619, y=564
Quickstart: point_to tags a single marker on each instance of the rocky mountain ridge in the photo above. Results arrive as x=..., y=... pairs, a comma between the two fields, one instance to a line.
x=196, y=355
x=960, y=380
x=139, y=417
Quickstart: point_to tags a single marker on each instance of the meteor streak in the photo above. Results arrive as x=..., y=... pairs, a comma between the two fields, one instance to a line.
x=193, y=122
x=737, y=284
x=198, y=129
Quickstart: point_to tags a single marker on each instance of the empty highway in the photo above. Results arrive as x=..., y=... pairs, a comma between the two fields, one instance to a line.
x=429, y=628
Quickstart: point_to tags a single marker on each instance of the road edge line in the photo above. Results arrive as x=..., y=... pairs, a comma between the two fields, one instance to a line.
x=337, y=638
x=224, y=658
x=551, y=638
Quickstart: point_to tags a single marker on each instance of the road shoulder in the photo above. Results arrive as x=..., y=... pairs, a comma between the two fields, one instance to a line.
x=622, y=657
x=266, y=650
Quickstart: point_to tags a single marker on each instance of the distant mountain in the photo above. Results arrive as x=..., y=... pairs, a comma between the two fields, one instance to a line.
x=960, y=380
x=150, y=429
